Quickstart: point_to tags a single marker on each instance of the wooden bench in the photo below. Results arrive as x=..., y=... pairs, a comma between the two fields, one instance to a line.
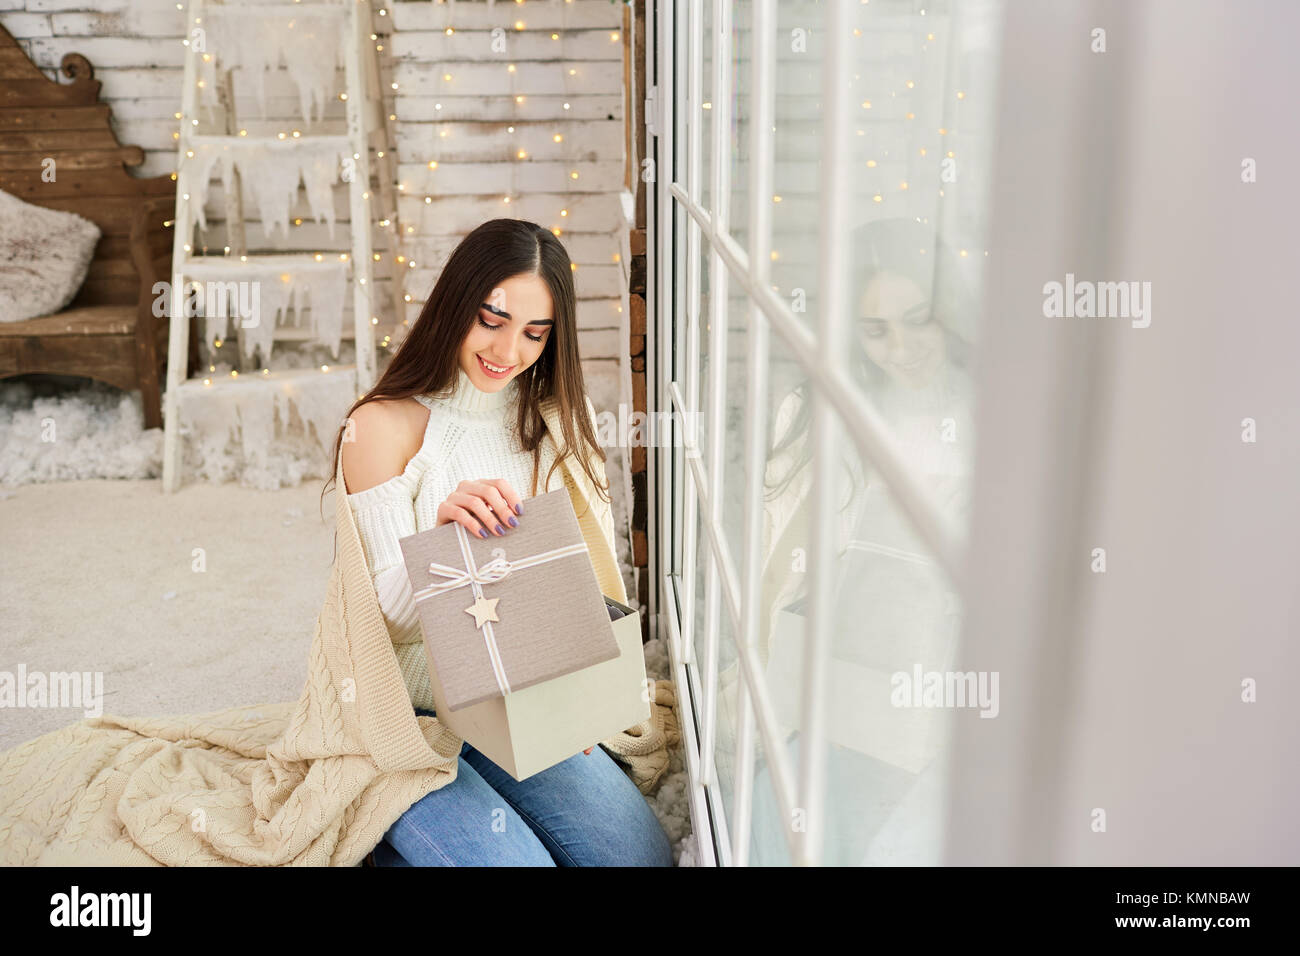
x=109, y=331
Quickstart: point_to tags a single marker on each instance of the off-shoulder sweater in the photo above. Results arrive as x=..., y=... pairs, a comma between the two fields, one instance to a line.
x=470, y=435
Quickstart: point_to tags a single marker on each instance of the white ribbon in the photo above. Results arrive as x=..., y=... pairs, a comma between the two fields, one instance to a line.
x=475, y=577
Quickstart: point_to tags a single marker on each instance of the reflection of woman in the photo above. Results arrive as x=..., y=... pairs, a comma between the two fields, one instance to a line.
x=891, y=606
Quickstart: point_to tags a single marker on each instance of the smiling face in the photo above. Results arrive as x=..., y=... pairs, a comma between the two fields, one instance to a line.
x=899, y=331
x=510, y=332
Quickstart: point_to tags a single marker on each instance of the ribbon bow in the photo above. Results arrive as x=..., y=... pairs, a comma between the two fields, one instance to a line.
x=490, y=573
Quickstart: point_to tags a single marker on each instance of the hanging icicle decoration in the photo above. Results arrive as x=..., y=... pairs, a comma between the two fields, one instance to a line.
x=271, y=286
x=306, y=44
x=271, y=170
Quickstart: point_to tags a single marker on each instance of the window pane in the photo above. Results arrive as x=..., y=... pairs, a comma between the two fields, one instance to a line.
x=922, y=123
x=706, y=100
x=741, y=110
x=706, y=370
x=796, y=144
x=702, y=557
x=736, y=422
x=892, y=612
x=769, y=830
x=894, y=624
x=923, y=86
x=724, y=749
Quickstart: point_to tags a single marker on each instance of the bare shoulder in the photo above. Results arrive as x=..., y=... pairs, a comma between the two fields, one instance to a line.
x=382, y=438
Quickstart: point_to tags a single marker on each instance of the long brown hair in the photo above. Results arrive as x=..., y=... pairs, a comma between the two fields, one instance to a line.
x=427, y=362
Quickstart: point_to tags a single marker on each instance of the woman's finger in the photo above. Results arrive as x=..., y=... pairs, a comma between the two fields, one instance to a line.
x=495, y=500
x=477, y=507
x=449, y=513
x=513, y=501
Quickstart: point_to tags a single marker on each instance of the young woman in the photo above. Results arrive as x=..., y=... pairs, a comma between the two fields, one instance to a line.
x=453, y=432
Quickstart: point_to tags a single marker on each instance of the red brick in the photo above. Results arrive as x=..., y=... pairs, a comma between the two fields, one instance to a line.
x=636, y=305
x=637, y=345
x=638, y=364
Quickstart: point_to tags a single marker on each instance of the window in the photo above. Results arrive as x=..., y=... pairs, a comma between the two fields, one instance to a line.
x=817, y=230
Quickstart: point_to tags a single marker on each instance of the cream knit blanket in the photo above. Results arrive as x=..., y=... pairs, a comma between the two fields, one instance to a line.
x=312, y=783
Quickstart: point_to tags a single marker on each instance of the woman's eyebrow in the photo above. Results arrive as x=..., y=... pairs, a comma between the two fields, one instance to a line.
x=919, y=307
x=506, y=315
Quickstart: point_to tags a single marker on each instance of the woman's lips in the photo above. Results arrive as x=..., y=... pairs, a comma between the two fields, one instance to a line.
x=912, y=366
x=491, y=374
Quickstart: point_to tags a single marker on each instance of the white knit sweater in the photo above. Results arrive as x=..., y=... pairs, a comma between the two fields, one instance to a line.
x=470, y=435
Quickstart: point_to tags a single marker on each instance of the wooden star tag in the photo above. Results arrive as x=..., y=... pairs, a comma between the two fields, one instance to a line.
x=484, y=609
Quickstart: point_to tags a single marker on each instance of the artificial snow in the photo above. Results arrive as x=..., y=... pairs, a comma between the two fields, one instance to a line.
x=93, y=432
x=59, y=428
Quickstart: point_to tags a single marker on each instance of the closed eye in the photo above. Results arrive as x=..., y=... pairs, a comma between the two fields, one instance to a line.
x=489, y=325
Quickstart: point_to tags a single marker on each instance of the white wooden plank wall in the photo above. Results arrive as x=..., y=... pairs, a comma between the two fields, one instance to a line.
x=460, y=123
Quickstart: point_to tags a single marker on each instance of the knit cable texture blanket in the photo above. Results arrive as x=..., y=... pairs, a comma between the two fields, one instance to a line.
x=312, y=783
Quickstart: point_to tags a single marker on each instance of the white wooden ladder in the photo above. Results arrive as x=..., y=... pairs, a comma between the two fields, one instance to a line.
x=367, y=130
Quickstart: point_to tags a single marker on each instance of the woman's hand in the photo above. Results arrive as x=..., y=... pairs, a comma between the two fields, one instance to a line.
x=484, y=508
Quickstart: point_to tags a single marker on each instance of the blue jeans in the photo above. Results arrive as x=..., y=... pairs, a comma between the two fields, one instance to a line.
x=583, y=811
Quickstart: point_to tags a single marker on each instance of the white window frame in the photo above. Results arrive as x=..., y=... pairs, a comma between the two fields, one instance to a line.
x=680, y=487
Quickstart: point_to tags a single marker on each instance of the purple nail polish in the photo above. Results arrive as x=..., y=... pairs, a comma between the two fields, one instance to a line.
x=514, y=522
x=482, y=532
x=519, y=509
x=500, y=530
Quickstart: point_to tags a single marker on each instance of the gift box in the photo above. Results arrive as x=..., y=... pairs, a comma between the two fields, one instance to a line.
x=524, y=660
